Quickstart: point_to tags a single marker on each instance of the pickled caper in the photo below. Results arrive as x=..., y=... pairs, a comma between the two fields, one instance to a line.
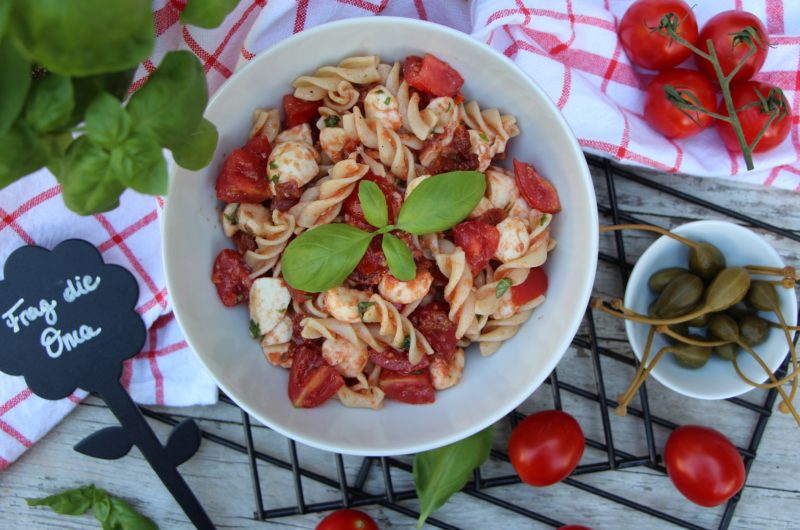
x=728, y=288
x=692, y=356
x=763, y=296
x=753, y=330
x=726, y=351
x=651, y=309
x=679, y=296
x=680, y=329
x=741, y=309
x=699, y=321
x=706, y=261
x=723, y=327
x=660, y=279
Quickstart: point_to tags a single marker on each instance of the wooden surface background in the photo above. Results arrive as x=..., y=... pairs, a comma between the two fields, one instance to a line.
x=221, y=477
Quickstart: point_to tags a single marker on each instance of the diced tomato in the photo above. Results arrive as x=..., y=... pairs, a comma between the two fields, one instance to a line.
x=432, y=321
x=287, y=194
x=454, y=157
x=415, y=389
x=432, y=75
x=231, y=277
x=244, y=241
x=298, y=295
x=354, y=214
x=311, y=381
x=397, y=361
x=298, y=110
x=373, y=265
x=534, y=286
x=259, y=146
x=493, y=216
x=539, y=192
x=479, y=242
x=243, y=178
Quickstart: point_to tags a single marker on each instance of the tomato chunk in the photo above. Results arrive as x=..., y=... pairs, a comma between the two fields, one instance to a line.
x=298, y=110
x=415, y=389
x=479, y=242
x=259, y=146
x=243, y=178
x=397, y=361
x=431, y=74
x=231, y=277
x=354, y=214
x=493, y=216
x=534, y=286
x=372, y=266
x=311, y=381
x=537, y=191
x=432, y=321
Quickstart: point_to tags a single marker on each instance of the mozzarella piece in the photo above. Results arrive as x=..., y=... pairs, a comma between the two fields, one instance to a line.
x=281, y=333
x=505, y=308
x=444, y=373
x=397, y=292
x=381, y=105
x=332, y=140
x=269, y=299
x=514, y=239
x=254, y=219
x=299, y=133
x=293, y=162
x=501, y=190
x=342, y=303
x=520, y=209
x=348, y=359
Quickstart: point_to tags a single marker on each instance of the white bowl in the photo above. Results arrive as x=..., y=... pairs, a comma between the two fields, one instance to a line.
x=717, y=379
x=491, y=386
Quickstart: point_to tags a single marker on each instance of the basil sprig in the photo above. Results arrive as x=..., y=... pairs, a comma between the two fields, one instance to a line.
x=440, y=473
x=323, y=257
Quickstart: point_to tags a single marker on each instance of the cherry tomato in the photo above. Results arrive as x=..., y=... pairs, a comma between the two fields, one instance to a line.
x=347, y=520
x=373, y=265
x=538, y=192
x=397, y=360
x=231, y=277
x=704, y=465
x=732, y=43
x=414, y=388
x=298, y=110
x=432, y=75
x=546, y=447
x=479, y=242
x=755, y=118
x=641, y=40
x=661, y=111
x=259, y=146
x=354, y=214
x=243, y=178
x=311, y=381
x=432, y=321
x=534, y=286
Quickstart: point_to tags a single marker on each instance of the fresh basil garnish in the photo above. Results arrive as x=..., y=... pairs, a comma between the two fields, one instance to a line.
x=255, y=330
x=373, y=203
x=207, y=13
x=441, y=201
x=363, y=307
x=401, y=262
x=15, y=81
x=502, y=286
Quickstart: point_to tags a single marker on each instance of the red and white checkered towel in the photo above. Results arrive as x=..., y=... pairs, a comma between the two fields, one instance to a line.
x=568, y=46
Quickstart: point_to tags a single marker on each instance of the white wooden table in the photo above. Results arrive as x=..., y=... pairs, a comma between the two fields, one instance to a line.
x=221, y=477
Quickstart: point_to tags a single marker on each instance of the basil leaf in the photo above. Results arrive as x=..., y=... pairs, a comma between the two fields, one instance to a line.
x=323, y=257
x=113, y=513
x=501, y=287
x=139, y=164
x=89, y=87
x=101, y=506
x=124, y=517
x=5, y=10
x=440, y=473
x=373, y=203
x=50, y=103
x=441, y=201
x=107, y=123
x=401, y=262
x=21, y=153
x=14, y=83
x=207, y=13
x=197, y=149
x=70, y=502
x=85, y=177
x=172, y=102
x=84, y=37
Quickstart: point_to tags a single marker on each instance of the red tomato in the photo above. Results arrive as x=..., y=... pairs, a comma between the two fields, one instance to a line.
x=243, y=178
x=479, y=242
x=311, y=381
x=397, y=361
x=704, y=465
x=538, y=192
x=432, y=321
x=287, y=194
x=298, y=110
x=493, y=216
x=432, y=75
x=373, y=265
x=546, y=447
x=415, y=389
x=347, y=520
x=259, y=146
x=731, y=44
x=231, y=277
x=534, y=286
x=641, y=40
x=754, y=119
x=665, y=116
x=354, y=215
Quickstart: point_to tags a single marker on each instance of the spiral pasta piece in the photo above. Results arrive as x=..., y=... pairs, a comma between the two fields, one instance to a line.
x=314, y=307
x=273, y=238
x=396, y=329
x=320, y=204
x=459, y=291
x=355, y=70
x=497, y=128
x=266, y=122
x=342, y=98
x=419, y=122
x=497, y=331
x=373, y=135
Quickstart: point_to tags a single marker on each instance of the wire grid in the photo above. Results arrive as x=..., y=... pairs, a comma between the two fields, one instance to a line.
x=485, y=488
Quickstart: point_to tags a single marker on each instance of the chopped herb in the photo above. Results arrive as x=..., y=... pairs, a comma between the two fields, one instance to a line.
x=273, y=165
x=406, y=343
x=387, y=100
x=332, y=121
x=363, y=307
x=232, y=219
x=449, y=106
x=507, y=207
x=484, y=137
x=502, y=286
x=545, y=218
x=276, y=177
x=379, y=91
x=239, y=298
x=255, y=331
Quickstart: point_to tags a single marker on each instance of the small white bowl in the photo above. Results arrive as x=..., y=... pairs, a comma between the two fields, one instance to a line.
x=491, y=386
x=717, y=379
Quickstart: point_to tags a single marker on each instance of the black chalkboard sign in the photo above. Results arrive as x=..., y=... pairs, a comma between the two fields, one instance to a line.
x=69, y=321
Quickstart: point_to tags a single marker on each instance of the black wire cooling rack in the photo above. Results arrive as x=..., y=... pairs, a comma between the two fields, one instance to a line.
x=353, y=493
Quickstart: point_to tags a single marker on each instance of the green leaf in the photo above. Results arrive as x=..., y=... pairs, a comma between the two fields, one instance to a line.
x=101, y=507
x=441, y=201
x=401, y=262
x=139, y=164
x=197, y=149
x=172, y=102
x=440, y=473
x=89, y=87
x=124, y=517
x=50, y=103
x=70, y=502
x=15, y=81
x=501, y=287
x=373, y=202
x=5, y=10
x=107, y=123
x=21, y=153
x=207, y=13
x=85, y=177
x=84, y=37
x=323, y=257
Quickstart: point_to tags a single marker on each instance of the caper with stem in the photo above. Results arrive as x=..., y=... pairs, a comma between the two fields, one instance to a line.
x=706, y=260
x=691, y=356
x=679, y=296
x=753, y=330
x=661, y=278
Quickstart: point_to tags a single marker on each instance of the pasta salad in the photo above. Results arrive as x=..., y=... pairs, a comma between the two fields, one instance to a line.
x=377, y=235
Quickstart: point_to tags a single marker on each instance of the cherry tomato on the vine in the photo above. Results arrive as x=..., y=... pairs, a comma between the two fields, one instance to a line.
x=757, y=115
x=703, y=464
x=546, y=447
x=731, y=38
x=347, y=520
x=672, y=88
x=639, y=33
